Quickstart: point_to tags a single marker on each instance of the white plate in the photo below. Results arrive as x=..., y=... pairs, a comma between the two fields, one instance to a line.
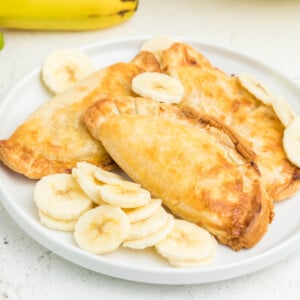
x=146, y=266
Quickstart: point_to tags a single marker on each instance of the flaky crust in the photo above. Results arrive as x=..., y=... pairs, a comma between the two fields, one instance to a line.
x=210, y=91
x=54, y=137
x=199, y=168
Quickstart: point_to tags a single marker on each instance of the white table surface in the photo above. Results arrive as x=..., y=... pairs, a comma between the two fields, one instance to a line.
x=265, y=29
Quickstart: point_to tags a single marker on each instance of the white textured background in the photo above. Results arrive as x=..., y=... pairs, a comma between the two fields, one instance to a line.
x=265, y=29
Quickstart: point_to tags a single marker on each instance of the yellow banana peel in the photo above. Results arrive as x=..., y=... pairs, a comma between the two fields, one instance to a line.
x=65, y=14
x=1, y=41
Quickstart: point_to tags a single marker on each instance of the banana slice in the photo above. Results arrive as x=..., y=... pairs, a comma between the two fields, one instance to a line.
x=108, y=177
x=186, y=242
x=194, y=263
x=102, y=229
x=144, y=212
x=291, y=142
x=158, y=86
x=153, y=238
x=149, y=226
x=256, y=88
x=157, y=45
x=84, y=173
x=125, y=195
x=90, y=177
x=56, y=224
x=283, y=110
x=190, y=264
x=61, y=197
x=63, y=68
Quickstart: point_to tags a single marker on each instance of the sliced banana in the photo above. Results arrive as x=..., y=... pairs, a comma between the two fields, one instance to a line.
x=153, y=238
x=190, y=264
x=186, y=242
x=144, y=212
x=61, y=197
x=56, y=224
x=256, y=88
x=149, y=226
x=125, y=195
x=102, y=229
x=283, y=110
x=157, y=45
x=158, y=86
x=108, y=177
x=63, y=68
x=84, y=173
x=194, y=263
x=291, y=142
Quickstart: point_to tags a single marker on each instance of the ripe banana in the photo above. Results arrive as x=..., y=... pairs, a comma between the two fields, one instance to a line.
x=65, y=15
x=1, y=41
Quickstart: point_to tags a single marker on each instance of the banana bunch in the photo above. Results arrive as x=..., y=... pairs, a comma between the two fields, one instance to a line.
x=65, y=15
x=104, y=211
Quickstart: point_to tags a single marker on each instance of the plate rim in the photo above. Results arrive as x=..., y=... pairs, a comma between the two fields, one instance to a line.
x=176, y=276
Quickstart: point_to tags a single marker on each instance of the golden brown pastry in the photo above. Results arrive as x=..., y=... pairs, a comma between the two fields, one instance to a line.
x=210, y=91
x=54, y=137
x=202, y=172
